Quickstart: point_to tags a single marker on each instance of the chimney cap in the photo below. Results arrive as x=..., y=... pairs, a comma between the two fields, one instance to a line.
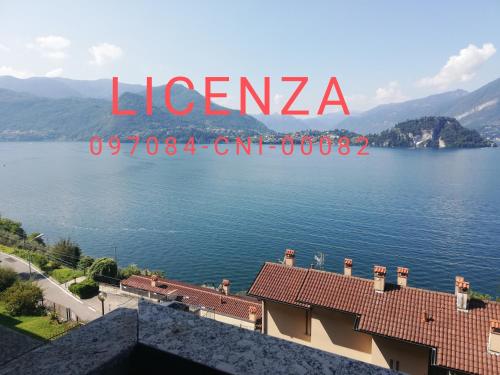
x=154, y=277
x=289, y=253
x=226, y=282
x=379, y=270
x=348, y=262
x=459, y=279
x=252, y=310
x=403, y=271
x=495, y=325
x=463, y=285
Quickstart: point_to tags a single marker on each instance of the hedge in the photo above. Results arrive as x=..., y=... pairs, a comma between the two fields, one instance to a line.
x=86, y=289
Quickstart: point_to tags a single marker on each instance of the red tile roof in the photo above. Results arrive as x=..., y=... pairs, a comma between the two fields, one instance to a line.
x=231, y=305
x=460, y=338
x=279, y=283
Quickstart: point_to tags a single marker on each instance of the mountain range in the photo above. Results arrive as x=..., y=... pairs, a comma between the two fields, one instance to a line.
x=42, y=108
x=63, y=109
x=479, y=109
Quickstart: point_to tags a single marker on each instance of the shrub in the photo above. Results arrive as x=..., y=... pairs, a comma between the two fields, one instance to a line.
x=103, y=267
x=158, y=273
x=49, y=266
x=130, y=270
x=7, y=277
x=88, y=288
x=66, y=252
x=479, y=296
x=22, y=298
x=53, y=316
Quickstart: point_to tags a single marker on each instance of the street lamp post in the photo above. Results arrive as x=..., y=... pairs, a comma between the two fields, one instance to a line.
x=29, y=251
x=102, y=297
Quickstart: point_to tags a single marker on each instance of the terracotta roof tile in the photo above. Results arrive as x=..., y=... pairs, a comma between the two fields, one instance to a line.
x=235, y=306
x=279, y=282
x=460, y=338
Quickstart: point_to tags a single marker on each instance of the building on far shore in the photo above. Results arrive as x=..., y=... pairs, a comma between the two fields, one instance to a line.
x=412, y=330
x=220, y=305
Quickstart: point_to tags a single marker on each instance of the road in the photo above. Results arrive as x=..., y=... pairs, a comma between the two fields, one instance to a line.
x=87, y=310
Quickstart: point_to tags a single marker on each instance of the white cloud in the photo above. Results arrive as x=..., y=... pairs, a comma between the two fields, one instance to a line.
x=389, y=94
x=56, y=55
x=52, y=42
x=4, y=48
x=51, y=46
x=104, y=53
x=54, y=73
x=10, y=71
x=278, y=98
x=461, y=67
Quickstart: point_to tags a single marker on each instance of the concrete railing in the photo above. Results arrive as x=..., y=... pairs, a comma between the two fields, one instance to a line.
x=158, y=337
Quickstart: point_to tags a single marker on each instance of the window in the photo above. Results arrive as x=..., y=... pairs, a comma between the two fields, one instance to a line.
x=393, y=364
x=308, y=323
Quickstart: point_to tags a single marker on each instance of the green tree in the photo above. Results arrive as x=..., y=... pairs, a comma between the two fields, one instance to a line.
x=103, y=267
x=12, y=226
x=66, y=252
x=130, y=270
x=85, y=262
x=39, y=240
x=7, y=277
x=158, y=273
x=22, y=298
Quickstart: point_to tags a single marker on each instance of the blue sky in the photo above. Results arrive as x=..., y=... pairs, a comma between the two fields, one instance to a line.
x=381, y=51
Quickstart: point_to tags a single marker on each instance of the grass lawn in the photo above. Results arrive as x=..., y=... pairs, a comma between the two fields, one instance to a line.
x=6, y=249
x=39, y=327
x=65, y=274
x=62, y=274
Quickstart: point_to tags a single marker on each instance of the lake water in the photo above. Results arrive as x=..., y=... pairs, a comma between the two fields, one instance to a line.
x=202, y=218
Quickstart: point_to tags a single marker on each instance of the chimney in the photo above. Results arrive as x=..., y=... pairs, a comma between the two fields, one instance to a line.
x=252, y=313
x=379, y=278
x=347, y=267
x=458, y=279
x=426, y=317
x=154, y=280
x=494, y=339
x=289, y=258
x=462, y=294
x=403, y=276
x=225, y=286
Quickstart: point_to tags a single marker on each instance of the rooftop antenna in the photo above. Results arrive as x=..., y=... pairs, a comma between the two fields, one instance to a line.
x=319, y=260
